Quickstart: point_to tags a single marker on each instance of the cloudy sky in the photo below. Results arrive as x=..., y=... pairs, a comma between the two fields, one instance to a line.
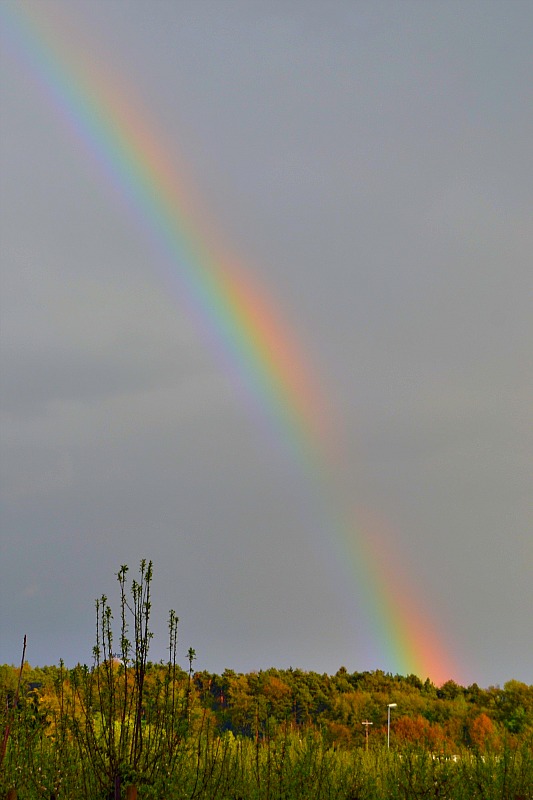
x=370, y=166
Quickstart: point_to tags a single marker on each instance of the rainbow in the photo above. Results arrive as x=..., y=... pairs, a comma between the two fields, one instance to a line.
x=231, y=311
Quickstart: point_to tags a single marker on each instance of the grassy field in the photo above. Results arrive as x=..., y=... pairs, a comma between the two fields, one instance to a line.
x=62, y=761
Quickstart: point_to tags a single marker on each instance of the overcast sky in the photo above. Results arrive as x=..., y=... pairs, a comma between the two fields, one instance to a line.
x=371, y=165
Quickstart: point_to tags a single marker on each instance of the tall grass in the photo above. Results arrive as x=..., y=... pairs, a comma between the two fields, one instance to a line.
x=289, y=766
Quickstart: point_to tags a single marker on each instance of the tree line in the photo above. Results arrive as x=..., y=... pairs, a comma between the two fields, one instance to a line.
x=260, y=704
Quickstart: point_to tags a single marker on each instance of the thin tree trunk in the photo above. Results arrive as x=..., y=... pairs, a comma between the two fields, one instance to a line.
x=15, y=703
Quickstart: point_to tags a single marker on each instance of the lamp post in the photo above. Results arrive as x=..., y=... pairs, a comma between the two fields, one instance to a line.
x=366, y=723
x=390, y=705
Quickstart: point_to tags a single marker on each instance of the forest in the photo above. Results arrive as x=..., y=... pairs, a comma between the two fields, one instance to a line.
x=126, y=727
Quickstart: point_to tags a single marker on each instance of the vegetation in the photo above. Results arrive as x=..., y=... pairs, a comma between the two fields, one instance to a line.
x=127, y=727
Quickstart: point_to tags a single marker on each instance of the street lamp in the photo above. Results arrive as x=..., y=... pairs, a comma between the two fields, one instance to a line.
x=390, y=705
x=366, y=723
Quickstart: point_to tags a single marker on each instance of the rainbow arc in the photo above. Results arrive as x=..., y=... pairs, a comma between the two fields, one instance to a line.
x=235, y=314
